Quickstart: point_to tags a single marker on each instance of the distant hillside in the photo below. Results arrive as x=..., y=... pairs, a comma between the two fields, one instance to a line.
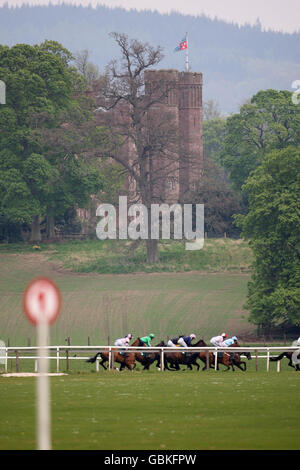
x=235, y=61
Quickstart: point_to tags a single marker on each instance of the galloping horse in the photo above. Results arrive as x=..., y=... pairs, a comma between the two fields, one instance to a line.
x=173, y=359
x=146, y=359
x=288, y=355
x=228, y=359
x=126, y=359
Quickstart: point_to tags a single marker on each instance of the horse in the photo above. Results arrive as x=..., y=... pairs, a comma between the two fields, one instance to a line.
x=228, y=359
x=288, y=355
x=174, y=359
x=126, y=359
x=146, y=359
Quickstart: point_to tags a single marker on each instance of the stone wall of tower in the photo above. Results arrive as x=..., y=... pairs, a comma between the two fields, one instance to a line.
x=190, y=131
x=184, y=101
x=162, y=85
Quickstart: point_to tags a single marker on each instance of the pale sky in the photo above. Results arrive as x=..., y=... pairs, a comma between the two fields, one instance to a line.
x=280, y=15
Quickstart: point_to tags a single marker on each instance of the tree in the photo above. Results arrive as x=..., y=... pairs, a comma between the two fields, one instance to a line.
x=86, y=68
x=139, y=122
x=45, y=166
x=270, y=121
x=39, y=85
x=221, y=202
x=272, y=227
x=213, y=138
x=211, y=110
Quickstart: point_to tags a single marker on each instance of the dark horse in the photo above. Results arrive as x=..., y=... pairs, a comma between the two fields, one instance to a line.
x=147, y=358
x=126, y=359
x=288, y=355
x=228, y=359
x=176, y=358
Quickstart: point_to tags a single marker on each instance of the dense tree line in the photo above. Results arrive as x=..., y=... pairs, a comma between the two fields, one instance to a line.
x=47, y=142
x=258, y=151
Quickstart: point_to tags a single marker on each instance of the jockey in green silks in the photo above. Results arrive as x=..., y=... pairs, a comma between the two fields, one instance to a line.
x=147, y=340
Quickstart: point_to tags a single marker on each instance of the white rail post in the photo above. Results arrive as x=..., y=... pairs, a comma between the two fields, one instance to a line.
x=162, y=365
x=97, y=364
x=216, y=358
x=6, y=359
x=268, y=359
x=278, y=366
x=109, y=358
x=57, y=359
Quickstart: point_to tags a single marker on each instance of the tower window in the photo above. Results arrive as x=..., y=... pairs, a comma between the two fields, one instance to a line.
x=171, y=184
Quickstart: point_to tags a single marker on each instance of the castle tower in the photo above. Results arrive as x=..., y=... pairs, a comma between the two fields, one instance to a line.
x=182, y=107
x=190, y=131
x=161, y=86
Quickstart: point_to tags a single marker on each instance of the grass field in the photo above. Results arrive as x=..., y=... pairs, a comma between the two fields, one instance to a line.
x=139, y=410
x=157, y=410
x=105, y=306
x=118, y=257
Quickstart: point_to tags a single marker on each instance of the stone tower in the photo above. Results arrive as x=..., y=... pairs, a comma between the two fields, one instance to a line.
x=182, y=105
x=190, y=131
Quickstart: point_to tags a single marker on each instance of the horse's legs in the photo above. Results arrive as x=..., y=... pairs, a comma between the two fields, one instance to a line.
x=102, y=364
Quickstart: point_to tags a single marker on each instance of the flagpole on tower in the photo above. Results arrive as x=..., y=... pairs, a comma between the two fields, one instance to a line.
x=186, y=54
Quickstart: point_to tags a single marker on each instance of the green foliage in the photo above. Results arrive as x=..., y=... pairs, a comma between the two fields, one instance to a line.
x=48, y=135
x=270, y=121
x=213, y=138
x=272, y=226
x=220, y=201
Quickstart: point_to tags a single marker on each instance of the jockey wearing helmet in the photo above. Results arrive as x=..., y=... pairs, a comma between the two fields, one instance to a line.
x=147, y=340
x=229, y=342
x=185, y=341
x=123, y=341
x=218, y=340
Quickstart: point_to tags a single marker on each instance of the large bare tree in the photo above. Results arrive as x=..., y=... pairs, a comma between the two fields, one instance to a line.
x=141, y=124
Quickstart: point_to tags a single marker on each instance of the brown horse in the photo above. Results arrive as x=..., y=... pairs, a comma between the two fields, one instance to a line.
x=126, y=359
x=147, y=358
x=288, y=355
x=176, y=358
x=228, y=359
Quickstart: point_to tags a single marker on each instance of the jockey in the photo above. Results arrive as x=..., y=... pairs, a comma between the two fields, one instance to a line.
x=185, y=341
x=229, y=342
x=173, y=343
x=218, y=340
x=147, y=340
x=123, y=341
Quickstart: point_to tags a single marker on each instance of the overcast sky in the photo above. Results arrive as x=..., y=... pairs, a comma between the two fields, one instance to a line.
x=280, y=15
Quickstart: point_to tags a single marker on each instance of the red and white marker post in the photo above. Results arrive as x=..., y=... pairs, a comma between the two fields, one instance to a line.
x=42, y=303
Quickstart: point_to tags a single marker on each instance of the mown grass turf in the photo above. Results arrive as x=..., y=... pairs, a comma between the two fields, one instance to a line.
x=157, y=410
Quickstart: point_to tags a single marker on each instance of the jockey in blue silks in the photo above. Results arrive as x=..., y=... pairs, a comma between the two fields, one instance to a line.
x=229, y=342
